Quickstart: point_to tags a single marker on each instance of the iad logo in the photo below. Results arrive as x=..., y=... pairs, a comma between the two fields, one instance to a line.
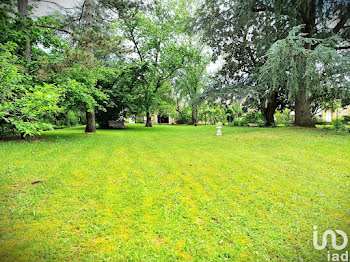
x=334, y=256
x=334, y=239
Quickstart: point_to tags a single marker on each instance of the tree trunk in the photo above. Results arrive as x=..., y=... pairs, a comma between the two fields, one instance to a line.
x=90, y=116
x=303, y=115
x=194, y=116
x=268, y=112
x=269, y=116
x=303, y=110
x=23, y=10
x=90, y=122
x=148, y=120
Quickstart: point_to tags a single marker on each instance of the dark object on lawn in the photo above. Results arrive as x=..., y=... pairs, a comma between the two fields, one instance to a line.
x=117, y=124
x=323, y=123
x=37, y=182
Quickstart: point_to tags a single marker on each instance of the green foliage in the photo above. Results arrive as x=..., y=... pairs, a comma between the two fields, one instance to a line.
x=22, y=105
x=167, y=107
x=284, y=117
x=213, y=113
x=241, y=32
x=323, y=71
x=254, y=118
x=161, y=51
x=233, y=112
x=240, y=122
x=338, y=125
x=66, y=118
x=192, y=79
x=184, y=116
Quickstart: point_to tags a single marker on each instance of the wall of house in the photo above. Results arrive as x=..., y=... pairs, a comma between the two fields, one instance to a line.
x=334, y=114
x=343, y=111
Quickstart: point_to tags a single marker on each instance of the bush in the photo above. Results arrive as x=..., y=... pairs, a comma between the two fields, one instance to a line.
x=185, y=116
x=338, y=125
x=140, y=119
x=254, y=118
x=235, y=122
x=242, y=122
x=260, y=122
x=6, y=129
x=24, y=105
x=65, y=118
x=284, y=117
x=72, y=118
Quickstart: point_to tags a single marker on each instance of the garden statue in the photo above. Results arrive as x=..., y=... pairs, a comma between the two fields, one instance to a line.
x=219, y=133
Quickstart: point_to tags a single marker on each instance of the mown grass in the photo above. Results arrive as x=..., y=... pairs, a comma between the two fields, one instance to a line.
x=173, y=193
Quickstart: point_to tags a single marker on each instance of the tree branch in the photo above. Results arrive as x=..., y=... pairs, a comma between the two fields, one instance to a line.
x=56, y=28
x=54, y=3
x=343, y=47
x=162, y=80
x=135, y=42
x=256, y=8
x=343, y=20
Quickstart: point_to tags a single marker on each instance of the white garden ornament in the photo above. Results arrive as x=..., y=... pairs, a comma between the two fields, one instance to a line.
x=219, y=133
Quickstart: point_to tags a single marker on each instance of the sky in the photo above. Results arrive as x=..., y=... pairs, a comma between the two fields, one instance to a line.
x=48, y=7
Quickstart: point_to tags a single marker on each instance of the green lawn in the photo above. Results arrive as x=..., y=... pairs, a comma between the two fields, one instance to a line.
x=173, y=192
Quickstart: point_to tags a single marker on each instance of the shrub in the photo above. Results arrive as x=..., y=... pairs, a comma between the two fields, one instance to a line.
x=65, y=118
x=260, y=122
x=72, y=118
x=288, y=123
x=338, y=125
x=347, y=118
x=235, y=122
x=184, y=116
x=140, y=119
x=254, y=118
x=242, y=122
x=24, y=105
x=284, y=117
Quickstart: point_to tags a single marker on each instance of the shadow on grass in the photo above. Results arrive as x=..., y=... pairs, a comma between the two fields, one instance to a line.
x=78, y=132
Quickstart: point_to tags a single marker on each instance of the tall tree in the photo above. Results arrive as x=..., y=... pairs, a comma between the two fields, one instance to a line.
x=90, y=112
x=85, y=61
x=242, y=31
x=192, y=78
x=240, y=38
x=155, y=34
x=322, y=71
x=321, y=19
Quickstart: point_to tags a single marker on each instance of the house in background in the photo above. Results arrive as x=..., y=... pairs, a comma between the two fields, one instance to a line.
x=330, y=114
x=156, y=119
x=161, y=119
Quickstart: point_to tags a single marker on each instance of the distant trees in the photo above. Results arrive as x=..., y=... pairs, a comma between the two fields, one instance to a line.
x=113, y=58
x=156, y=33
x=192, y=79
x=104, y=57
